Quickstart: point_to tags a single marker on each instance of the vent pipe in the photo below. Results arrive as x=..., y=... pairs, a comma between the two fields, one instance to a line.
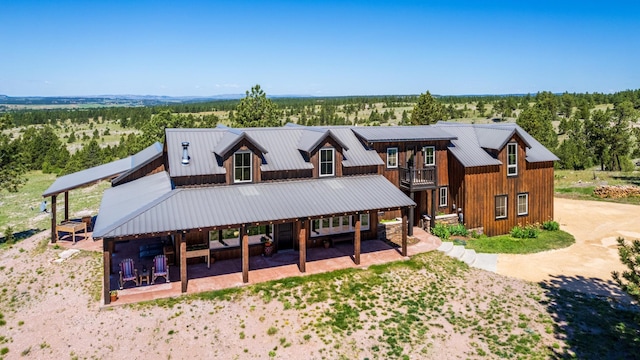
x=185, y=153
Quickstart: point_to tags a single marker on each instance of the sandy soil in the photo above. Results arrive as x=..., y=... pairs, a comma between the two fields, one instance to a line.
x=596, y=226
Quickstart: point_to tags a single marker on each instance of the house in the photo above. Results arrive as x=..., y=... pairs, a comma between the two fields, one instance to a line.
x=218, y=191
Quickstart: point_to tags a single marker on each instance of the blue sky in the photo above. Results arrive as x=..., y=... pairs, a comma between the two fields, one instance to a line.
x=331, y=48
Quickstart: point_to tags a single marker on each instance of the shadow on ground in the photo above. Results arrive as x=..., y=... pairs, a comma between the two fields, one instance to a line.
x=22, y=235
x=594, y=317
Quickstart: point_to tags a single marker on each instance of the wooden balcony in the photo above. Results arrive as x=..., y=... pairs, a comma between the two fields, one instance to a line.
x=417, y=179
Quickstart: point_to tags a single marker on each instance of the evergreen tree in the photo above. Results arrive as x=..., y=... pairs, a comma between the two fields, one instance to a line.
x=629, y=280
x=427, y=110
x=255, y=110
x=538, y=122
x=12, y=166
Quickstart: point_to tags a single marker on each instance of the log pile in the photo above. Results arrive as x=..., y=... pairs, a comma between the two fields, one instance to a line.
x=616, y=191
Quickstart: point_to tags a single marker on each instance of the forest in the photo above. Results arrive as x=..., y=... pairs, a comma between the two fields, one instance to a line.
x=583, y=130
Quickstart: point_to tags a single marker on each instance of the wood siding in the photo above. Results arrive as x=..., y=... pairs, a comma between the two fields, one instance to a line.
x=359, y=170
x=315, y=158
x=153, y=167
x=256, y=161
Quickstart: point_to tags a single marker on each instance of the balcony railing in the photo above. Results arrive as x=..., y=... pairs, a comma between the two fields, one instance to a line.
x=418, y=179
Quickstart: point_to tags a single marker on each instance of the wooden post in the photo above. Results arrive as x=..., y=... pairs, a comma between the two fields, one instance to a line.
x=404, y=231
x=183, y=262
x=356, y=241
x=433, y=208
x=106, y=259
x=244, y=240
x=302, y=244
x=66, y=205
x=220, y=235
x=411, y=220
x=54, y=231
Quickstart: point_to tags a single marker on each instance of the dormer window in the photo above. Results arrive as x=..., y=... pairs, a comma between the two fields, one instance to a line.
x=327, y=162
x=242, y=168
x=512, y=159
x=429, y=155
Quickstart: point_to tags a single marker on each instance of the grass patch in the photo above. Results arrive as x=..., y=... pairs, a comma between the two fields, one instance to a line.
x=506, y=244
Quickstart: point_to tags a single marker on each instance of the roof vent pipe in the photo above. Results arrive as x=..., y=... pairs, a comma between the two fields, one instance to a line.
x=185, y=153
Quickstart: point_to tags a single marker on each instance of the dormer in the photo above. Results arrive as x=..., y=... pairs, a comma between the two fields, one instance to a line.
x=507, y=145
x=324, y=150
x=240, y=155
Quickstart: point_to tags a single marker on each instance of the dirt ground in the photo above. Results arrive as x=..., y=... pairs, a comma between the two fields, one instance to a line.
x=596, y=225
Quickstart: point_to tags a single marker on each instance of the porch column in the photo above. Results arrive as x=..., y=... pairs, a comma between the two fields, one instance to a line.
x=356, y=241
x=183, y=262
x=54, y=231
x=433, y=208
x=106, y=260
x=244, y=240
x=302, y=244
x=66, y=205
x=404, y=230
x=411, y=221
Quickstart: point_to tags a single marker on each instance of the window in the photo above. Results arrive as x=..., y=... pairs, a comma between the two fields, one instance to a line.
x=392, y=158
x=338, y=225
x=443, y=197
x=327, y=162
x=429, y=155
x=512, y=159
x=523, y=204
x=242, y=166
x=501, y=207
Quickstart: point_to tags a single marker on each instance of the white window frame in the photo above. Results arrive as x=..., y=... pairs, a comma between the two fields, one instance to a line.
x=524, y=196
x=235, y=166
x=512, y=169
x=337, y=225
x=333, y=161
x=506, y=203
x=443, y=195
x=433, y=155
x=393, y=157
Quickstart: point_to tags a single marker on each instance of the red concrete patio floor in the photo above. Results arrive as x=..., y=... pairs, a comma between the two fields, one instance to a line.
x=228, y=273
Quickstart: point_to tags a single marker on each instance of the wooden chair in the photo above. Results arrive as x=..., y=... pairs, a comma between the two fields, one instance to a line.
x=128, y=272
x=159, y=268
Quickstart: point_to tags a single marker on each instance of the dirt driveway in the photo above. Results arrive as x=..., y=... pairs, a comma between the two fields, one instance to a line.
x=595, y=225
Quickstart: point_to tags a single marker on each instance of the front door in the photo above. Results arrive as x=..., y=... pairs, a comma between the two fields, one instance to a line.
x=285, y=236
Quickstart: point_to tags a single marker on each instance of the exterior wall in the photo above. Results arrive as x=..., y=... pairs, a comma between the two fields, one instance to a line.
x=359, y=170
x=286, y=175
x=199, y=180
x=153, y=167
x=481, y=185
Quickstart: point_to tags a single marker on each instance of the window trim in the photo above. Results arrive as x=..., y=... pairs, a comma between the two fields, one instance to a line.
x=506, y=206
x=318, y=228
x=424, y=155
x=526, y=196
x=242, y=152
x=389, y=157
x=446, y=196
x=513, y=166
x=333, y=162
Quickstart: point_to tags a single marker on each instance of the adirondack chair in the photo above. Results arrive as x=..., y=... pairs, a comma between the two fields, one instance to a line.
x=128, y=272
x=160, y=268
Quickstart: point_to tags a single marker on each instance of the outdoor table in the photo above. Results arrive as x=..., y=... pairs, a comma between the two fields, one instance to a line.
x=72, y=227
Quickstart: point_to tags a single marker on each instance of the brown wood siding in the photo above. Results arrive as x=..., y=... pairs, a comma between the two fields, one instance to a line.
x=481, y=185
x=286, y=175
x=315, y=158
x=359, y=170
x=456, y=179
x=199, y=180
x=392, y=174
x=153, y=167
x=244, y=145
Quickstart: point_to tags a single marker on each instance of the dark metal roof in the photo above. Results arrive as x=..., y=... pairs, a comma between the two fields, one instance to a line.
x=207, y=207
x=120, y=202
x=401, y=133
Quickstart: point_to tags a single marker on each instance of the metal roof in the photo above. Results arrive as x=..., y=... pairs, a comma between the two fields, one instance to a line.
x=206, y=207
x=231, y=138
x=357, y=154
x=283, y=151
x=473, y=139
x=141, y=159
x=401, y=133
x=313, y=136
x=88, y=176
x=118, y=203
x=201, y=144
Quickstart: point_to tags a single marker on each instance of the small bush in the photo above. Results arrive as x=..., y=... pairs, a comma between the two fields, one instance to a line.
x=441, y=231
x=526, y=232
x=8, y=235
x=458, y=230
x=551, y=225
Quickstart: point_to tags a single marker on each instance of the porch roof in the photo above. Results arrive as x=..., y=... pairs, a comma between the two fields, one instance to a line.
x=219, y=206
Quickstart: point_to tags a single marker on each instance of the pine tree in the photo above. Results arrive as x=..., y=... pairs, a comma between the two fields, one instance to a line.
x=427, y=110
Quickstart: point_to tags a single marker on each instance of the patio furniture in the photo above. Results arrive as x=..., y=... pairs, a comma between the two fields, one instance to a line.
x=72, y=227
x=128, y=272
x=159, y=268
x=145, y=276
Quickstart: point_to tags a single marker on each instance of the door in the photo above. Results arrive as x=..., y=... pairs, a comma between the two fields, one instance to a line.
x=285, y=236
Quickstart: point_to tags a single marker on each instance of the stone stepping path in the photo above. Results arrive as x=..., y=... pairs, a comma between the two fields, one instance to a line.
x=488, y=262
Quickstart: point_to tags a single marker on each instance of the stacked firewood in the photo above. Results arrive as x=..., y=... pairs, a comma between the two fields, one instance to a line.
x=616, y=191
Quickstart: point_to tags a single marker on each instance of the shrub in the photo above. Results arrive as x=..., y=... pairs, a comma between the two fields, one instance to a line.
x=526, y=232
x=8, y=235
x=458, y=230
x=441, y=231
x=551, y=225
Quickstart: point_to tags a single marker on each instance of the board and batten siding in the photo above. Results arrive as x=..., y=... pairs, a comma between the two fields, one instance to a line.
x=315, y=157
